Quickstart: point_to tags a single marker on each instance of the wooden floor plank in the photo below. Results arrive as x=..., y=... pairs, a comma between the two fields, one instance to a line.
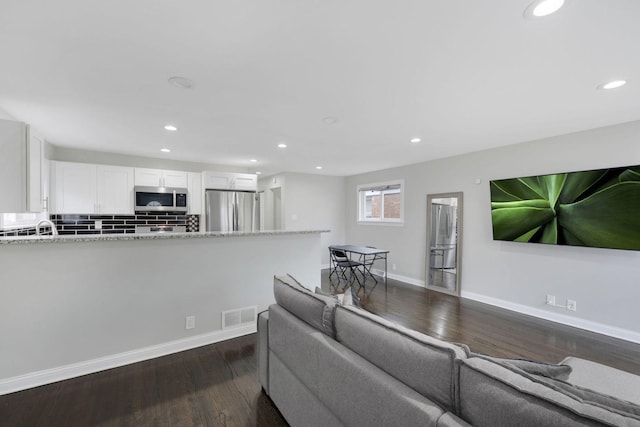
x=216, y=385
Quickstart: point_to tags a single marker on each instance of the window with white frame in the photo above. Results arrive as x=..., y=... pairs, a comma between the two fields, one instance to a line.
x=381, y=202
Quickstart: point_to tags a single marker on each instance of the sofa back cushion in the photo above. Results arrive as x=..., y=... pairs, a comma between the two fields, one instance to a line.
x=492, y=394
x=314, y=309
x=424, y=363
x=309, y=371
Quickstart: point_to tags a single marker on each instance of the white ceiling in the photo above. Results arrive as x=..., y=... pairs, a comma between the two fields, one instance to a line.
x=462, y=75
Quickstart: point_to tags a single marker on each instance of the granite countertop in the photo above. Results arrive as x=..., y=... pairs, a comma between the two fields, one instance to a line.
x=149, y=236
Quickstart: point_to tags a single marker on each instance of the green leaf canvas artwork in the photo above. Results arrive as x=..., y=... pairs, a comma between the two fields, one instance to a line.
x=598, y=208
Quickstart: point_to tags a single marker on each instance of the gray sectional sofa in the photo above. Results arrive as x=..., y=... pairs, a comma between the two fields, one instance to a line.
x=324, y=363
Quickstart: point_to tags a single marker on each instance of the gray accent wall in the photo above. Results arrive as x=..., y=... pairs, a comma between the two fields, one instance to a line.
x=604, y=282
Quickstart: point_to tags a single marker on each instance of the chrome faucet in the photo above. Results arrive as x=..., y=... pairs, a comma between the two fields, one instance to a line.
x=54, y=230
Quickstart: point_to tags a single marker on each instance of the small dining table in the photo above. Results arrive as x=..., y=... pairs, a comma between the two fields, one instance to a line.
x=363, y=252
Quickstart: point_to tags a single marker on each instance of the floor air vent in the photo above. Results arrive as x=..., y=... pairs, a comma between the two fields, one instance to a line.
x=239, y=317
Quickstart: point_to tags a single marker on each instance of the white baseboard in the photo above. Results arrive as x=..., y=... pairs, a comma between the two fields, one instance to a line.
x=587, y=325
x=47, y=376
x=611, y=331
x=380, y=273
x=404, y=279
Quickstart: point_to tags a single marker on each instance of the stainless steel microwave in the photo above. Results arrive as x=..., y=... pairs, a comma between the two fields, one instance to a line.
x=161, y=199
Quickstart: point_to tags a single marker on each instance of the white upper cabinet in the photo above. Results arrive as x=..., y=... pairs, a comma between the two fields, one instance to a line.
x=175, y=179
x=195, y=193
x=115, y=189
x=73, y=187
x=148, y=177
x=35, y=176
x=160, y=178
x=14, y=189
x=230, y=181
x=82, y=188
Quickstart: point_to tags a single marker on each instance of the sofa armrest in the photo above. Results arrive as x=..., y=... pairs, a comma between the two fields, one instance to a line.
x=263, y=350
x=604, y=379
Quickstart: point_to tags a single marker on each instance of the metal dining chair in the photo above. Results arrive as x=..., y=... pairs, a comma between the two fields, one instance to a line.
x=341, y=264
x=367, y=264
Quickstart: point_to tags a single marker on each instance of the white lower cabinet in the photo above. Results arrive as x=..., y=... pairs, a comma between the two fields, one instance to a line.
x=86, y=188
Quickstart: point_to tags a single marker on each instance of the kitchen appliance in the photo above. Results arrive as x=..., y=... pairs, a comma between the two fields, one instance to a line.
x=230, y=210
x=443, y=232
x=160, y=199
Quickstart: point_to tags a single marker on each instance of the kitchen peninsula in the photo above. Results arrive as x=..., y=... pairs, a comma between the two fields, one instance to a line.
x=72, y=305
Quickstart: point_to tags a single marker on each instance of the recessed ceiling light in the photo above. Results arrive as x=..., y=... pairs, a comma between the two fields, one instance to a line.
x=330, y=120
x=181, y=82
x=282, y=145
x=540, y=8
x=612, y=84
x=415, y=140
x=258, y=173
x=253, y=160
x=319, y=167
x=172, y=128
x=165, y=150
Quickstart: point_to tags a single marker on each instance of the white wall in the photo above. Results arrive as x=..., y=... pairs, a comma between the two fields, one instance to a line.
x=71, y=308
x=316, y=202
x=6, y=116
x=604, y=282
x=309, y=202
x=273, y=214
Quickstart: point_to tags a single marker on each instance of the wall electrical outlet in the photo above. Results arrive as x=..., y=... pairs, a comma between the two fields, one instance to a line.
x=571, y=305
x=551, y=299
x=190, y=322
x=393, y=267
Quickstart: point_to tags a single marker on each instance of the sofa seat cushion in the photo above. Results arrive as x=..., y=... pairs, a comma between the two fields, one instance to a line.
x=491, y=394
x=424, y=363
x=314, y=309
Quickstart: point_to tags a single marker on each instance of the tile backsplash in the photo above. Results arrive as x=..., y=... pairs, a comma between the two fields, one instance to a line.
x=69, y=224
x=23, y=231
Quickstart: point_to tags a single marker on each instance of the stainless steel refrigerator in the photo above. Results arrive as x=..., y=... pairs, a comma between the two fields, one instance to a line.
x=230, y=210
x=443, y=235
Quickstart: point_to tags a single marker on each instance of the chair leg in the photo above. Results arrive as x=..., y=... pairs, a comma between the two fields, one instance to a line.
x=354, y=275
x=344, y=277
x=367, y=271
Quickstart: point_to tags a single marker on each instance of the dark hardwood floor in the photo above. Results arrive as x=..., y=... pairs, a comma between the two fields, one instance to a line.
x=216, y=385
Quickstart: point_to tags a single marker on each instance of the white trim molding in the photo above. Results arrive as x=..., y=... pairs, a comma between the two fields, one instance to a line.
x=47, y=376
x=600, y=328
x=404, y=279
